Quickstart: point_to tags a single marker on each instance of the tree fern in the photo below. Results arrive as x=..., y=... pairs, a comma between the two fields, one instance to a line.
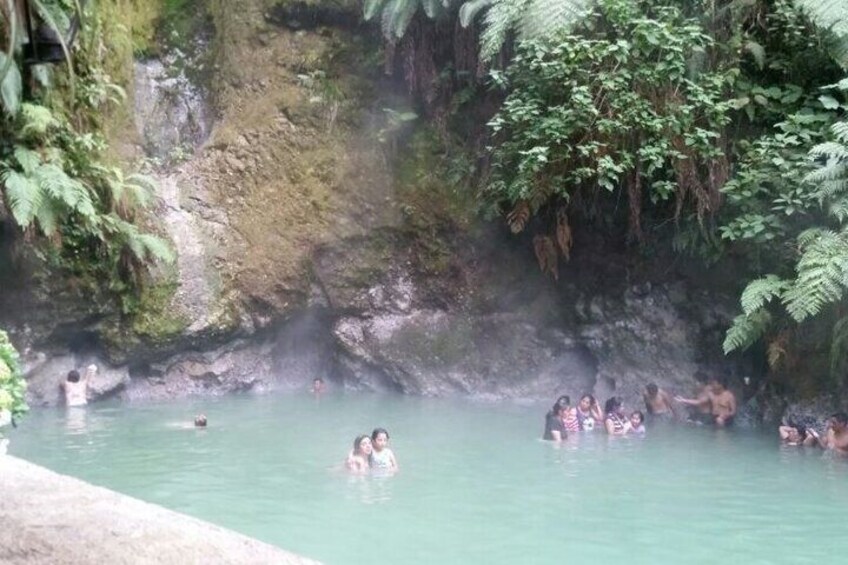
x=831, y=16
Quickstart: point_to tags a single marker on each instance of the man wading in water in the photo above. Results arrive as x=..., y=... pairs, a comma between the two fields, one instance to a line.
x=658, y=402
x=76, y=387
x=716, y=400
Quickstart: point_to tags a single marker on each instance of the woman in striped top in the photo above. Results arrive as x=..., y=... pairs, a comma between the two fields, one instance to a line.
x=615, y=421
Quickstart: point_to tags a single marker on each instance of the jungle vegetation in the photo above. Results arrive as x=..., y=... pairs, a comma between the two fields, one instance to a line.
x=725, y=118
x=61, y=195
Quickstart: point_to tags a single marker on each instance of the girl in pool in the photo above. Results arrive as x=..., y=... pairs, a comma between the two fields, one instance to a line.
x=637, y=423
x=357, y=459
x=588, y=412
x=381, y=456
x=615, y=423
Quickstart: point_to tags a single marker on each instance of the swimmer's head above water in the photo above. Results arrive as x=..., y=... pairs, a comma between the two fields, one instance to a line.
x=200, y=421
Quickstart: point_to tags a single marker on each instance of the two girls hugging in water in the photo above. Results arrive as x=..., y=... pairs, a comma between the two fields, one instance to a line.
x=371, y=453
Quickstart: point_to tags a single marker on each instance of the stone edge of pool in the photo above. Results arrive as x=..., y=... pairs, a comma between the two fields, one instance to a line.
x=46, y=517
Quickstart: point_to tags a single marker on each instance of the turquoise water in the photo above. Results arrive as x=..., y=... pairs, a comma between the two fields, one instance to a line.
x=475, y=486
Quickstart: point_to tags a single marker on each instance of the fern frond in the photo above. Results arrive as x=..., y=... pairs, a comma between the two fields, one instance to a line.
x=761, y=291
x=155, y=248
x=831, y=16
x=469, y=10
x=371, y=8
x=529, y=19
x=822, y=274
x=397, y=15
x=746, y=330
x=24, y=196
x=28, y=159
x=36, y=120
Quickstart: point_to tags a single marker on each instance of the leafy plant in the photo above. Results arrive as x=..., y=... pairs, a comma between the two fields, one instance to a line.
x=53, y=181
x=12, y=383
x=614, y=107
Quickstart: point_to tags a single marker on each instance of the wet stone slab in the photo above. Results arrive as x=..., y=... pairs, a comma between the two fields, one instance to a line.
x=50, y=518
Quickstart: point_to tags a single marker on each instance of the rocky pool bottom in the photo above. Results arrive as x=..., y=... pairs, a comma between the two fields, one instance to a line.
x=476, y=485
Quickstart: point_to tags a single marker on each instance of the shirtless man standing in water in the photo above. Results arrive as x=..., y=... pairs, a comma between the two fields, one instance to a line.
x=76, y=387
x=717, y=400
x=658, y=401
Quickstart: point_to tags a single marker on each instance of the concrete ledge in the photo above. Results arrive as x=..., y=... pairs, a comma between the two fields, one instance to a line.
x=50, y=518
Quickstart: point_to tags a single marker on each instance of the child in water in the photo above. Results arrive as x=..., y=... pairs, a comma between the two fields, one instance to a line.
x=381, y=456
x=637, y=423
x=357, y=459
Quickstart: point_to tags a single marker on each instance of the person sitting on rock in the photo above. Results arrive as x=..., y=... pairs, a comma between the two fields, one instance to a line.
x=76, y=387
x=658, y=402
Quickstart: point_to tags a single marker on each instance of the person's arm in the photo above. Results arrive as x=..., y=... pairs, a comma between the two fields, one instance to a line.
x=394, y=461
x=610, y=427
x=90, y=372
x=811, y=439
x=596, y=412
x=783, y=431
x=668, y=402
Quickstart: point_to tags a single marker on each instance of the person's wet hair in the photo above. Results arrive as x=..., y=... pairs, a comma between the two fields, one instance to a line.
x=652, y=389
x=840, y=417
x=357, y=443
x=612, y=404
x=73, y=376
x=641, y=416
x=561, y=402
x=378, y=431
x=589, y=396
x=200, y=421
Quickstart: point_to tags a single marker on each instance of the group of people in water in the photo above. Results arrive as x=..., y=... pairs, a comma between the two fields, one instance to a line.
x=714, y=404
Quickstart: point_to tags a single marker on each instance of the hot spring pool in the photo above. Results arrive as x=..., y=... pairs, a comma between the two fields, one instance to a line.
x=476, y=485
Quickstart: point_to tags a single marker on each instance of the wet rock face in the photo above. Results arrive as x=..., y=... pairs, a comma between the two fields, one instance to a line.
x=171, y=115
x=529, y=340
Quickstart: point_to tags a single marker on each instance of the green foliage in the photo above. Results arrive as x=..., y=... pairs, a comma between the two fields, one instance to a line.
x=527, y=19
x=832, y=16
x=746, y=330
x=396, y=15
x=78, y=212
x=12, y=383
x=614, y=106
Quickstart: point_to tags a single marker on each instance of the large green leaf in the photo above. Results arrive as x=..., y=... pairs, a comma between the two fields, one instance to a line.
x=10, y=86
x=24, y=196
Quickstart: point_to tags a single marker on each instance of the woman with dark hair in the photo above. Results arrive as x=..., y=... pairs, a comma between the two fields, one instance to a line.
x=554, y=427
x=357, y=459
x=615, y=422
x=589, y=413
